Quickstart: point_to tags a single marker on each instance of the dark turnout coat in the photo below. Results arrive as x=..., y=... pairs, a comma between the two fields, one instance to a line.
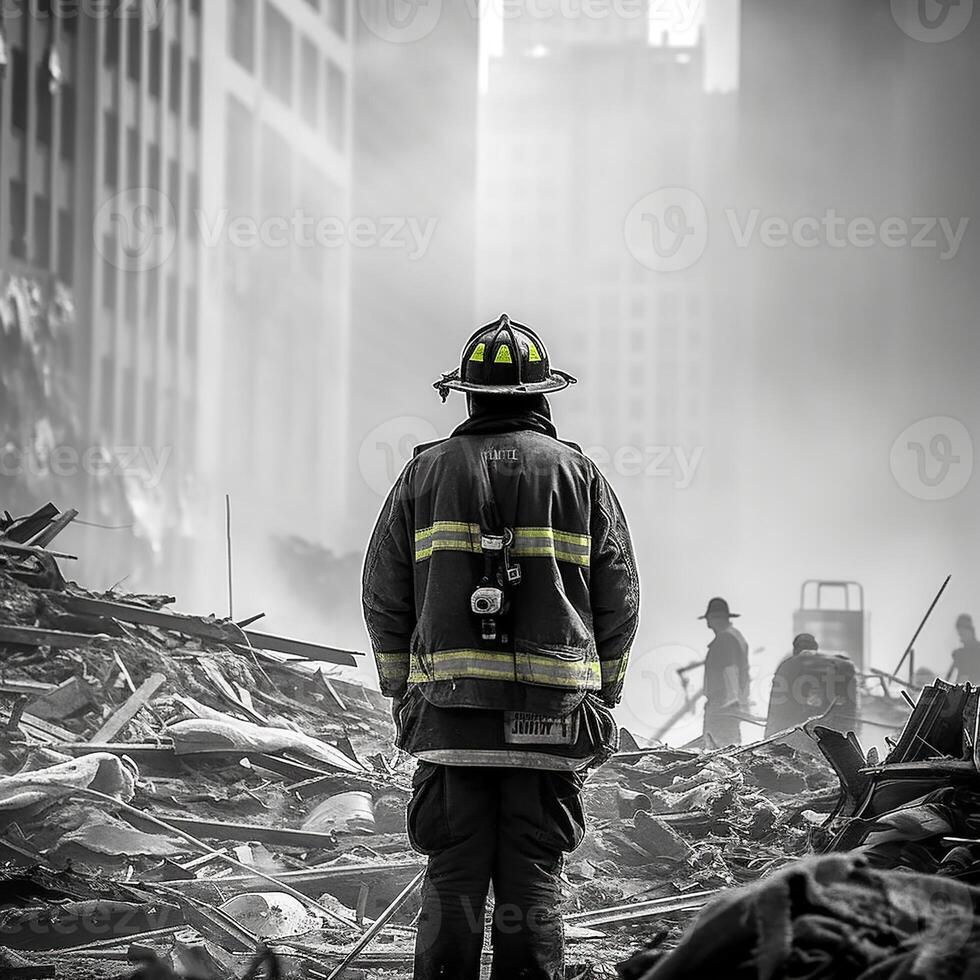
x=572, y=618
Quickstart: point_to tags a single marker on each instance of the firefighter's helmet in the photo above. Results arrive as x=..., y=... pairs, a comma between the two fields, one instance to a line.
x=504, y=358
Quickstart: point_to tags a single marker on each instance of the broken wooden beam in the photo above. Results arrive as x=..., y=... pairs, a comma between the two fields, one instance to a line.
x=27, y=549
x=636, y=911
x=45, y=536
x=31, y=636
x=66, y=699
x=310, y=878
x=220, y=632
x=254, y=833
x=130, y=709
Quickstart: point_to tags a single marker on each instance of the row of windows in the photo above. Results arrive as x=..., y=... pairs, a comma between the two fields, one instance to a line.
x=243, y=23
x=111, y=275
x=157, y=47
x=44, y=104
x=321, y=100
x=151, y=397
x=43, y=253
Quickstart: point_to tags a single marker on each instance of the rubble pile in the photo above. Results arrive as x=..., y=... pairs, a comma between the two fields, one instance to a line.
x=896, y=890
x=190, y=796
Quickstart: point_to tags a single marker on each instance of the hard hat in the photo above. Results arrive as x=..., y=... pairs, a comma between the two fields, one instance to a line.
x=504, y=358
x=719, y=607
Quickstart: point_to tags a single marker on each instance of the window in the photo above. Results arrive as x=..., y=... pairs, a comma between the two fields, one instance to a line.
x=109, y=272
x=68, y=122
x=337, y=15
x=194, y=80
x=190, y=335
x=336, y=106
x=66, y=246
x=18, y=219
x=176, y=64
x=19, y=99
x=130, y=298
x=193, y=204
x=129, y=401
x=111, y=148
x=241, y=32
x=42, y=231
x=108, y=394
x=156, y=61
x=173, y=296
x=173, y=187
x=309, y=73
x=45, y=105
x=133, y=156
x=134, y=43
x=112, y=36
x=239, y=162
x=154, y=165
x=278, y=60
x=151, y=298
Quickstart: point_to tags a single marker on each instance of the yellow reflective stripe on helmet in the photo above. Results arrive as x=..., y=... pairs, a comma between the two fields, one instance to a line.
x=533, y=354
x=503, y=355
x=478, y=352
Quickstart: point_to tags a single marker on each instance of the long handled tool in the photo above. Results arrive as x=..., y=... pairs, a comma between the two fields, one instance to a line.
x=909, y=650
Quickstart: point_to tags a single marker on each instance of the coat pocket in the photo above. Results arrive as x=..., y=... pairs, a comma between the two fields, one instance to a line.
x=565, y=667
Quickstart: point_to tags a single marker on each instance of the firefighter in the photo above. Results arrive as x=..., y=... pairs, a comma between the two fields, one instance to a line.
x=966, y=658
x=810, y=683
x=501, y=598
x=726, y=676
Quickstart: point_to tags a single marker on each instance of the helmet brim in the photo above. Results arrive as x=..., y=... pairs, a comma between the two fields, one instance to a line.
x=557, y=381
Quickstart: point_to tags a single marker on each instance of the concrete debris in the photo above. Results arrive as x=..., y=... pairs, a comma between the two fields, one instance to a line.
x=177, y=798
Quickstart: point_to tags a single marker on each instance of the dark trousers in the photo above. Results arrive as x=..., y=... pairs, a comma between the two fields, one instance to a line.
x=510, y=827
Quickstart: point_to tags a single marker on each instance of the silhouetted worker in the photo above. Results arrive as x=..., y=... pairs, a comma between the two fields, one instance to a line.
x=966, y=659
x=810, y=684
x=726, y=676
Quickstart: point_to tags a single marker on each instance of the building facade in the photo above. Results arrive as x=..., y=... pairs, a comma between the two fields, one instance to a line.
x=588, y=121
x=275, y=200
